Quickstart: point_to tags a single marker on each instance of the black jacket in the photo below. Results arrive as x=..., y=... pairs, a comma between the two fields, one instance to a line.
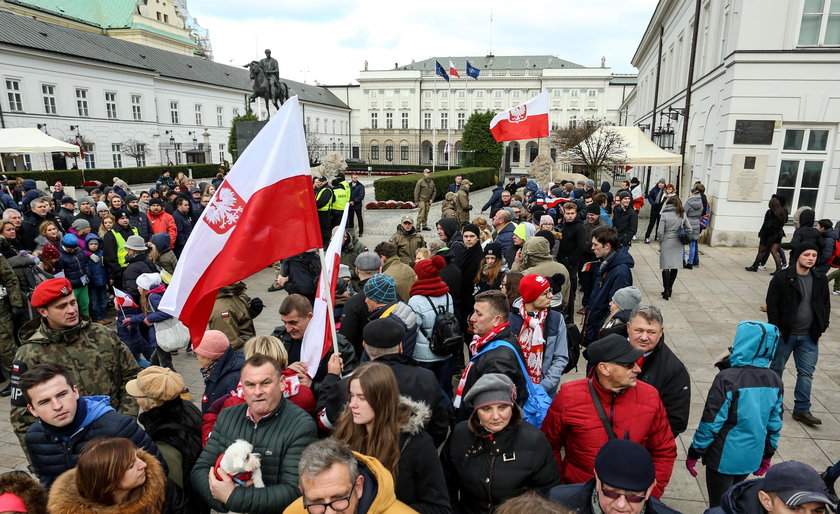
x=184, y=226
x=109, y=248
x=136, y=265
x=293, y=347
x=141, y=221
x=354, y=317
x=571, y=247
x=482, y=472
x=626, y=222
x=740, y=499
x=415, y=382
x=784, y=295
x=30, y=224
x=578, y=497
x=66, y=217
x=357, y=195
x=223, y=379
x=664, y=371
x=93, y=219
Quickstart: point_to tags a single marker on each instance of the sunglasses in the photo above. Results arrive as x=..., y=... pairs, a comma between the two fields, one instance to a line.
x=614, y=495
x=628, y=365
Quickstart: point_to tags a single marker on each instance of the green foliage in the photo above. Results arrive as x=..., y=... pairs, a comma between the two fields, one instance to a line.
x=232, y=143
x=477, y=137
x=143, y=175
x=353, y=167
x=402, y=187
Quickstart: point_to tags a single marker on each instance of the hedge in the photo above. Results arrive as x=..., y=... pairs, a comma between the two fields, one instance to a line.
x=363, y=168
x=143, y=175
x=401, y=188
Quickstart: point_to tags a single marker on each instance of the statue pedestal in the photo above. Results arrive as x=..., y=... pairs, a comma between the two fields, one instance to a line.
x=246, y=131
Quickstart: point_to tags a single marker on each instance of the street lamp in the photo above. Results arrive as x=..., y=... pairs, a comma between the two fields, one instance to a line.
x=44, y=127
x=192, y=133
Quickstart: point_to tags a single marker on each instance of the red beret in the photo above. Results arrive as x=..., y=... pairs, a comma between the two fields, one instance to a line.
x=532, y=286
x=50, y=290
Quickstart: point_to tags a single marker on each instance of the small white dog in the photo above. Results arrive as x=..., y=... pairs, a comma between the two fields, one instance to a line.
x=241, y=464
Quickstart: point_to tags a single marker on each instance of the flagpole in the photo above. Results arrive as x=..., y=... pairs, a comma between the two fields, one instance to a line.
x=449, y=125
x=434, y=121
x=329, y=298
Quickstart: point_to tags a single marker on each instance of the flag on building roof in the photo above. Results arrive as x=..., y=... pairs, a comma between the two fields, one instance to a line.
x=241, y=231
x=452, y=70
x=472, y=71
x=440, y=71
x=525, y=121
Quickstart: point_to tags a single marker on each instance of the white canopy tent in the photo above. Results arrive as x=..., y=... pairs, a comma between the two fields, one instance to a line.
x=639, y=150
x=31, y=140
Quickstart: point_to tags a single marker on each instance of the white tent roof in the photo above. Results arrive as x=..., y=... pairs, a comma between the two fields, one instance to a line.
x=32, y=140
x=639, y=150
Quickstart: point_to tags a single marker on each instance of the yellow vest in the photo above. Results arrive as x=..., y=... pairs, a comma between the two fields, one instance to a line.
x=121, y=251
x=326, y=206
x=341, y=196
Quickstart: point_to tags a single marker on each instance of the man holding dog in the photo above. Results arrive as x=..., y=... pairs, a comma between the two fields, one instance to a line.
x=277, y=429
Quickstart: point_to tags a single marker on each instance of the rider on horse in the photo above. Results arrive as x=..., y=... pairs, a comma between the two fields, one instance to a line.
x=272, y=72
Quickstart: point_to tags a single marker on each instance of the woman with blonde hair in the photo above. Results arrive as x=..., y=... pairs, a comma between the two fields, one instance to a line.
x=106, y=225
x=49, y=233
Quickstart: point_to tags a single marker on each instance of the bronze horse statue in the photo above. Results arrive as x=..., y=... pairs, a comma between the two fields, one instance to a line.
x=262, y=88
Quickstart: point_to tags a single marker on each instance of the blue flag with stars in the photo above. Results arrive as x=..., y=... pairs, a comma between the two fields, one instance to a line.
x=440, y=71
x=472, y=71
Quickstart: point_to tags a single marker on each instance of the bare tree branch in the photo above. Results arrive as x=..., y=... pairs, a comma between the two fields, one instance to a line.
x=583, y=144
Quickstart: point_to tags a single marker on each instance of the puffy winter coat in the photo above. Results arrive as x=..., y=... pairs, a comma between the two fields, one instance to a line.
x=175, y=427
x=555, y=350
x=279, y=438
x=155, y=316
x=664, y=371
x=184, y=228
x=743, y=414
x=504, y=237
x=136, y=265
x=784, y=296
x=74, y=265
x=167, y=259
x=483, y=470
x=223, y=379
x=537, y=260
x=96, y=270
x=613, y=274
x=694, y=211
x=163, y=222
x=626, y=223
x=741, y=499
x=636, y=413
x=407, y=244
x=827, y=245
x=495, y=201
x=426, y=316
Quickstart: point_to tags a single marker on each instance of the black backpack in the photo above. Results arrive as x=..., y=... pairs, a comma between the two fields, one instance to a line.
x=446, y=337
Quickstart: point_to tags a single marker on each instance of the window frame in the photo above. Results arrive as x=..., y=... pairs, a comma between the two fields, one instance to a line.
x=50, y=107
x=111, y=105
x=17, y=92
x=82, y=105
x=137, y=107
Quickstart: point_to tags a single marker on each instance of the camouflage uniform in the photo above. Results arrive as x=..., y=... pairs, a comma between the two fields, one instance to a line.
x=232, y=315
x=462, y=206
x=12, y=299
x=98, y=362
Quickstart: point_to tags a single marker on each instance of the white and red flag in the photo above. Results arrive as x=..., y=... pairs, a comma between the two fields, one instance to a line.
x=264, y=211
x=318, y=338
x=525, y=121
x=123, y=299
x=453, y=71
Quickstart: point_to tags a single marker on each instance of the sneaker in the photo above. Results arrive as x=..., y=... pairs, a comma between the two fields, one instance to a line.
x=647, y=240
x=837, y=293
x=807, y=418
x=762, y=268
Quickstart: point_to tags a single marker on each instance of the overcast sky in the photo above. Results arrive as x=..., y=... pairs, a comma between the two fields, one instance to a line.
x=328, y=41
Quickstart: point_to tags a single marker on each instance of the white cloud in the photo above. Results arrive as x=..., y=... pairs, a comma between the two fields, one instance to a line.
x=329, y=41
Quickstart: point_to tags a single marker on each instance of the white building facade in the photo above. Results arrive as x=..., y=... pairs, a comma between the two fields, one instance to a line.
x=763, y=113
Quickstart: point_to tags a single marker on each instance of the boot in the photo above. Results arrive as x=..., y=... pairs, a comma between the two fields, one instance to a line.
x=829, y=483
x=671, y=279
x=666, y=276
x=752, y=268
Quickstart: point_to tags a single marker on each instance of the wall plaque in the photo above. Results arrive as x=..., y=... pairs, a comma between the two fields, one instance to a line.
x=746, y=178
x=754, y=132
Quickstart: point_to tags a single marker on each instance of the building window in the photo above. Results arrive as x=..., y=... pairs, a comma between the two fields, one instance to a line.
x=374, y=123
x=497, y=93
x=27, y=161
x=444, y=94
x=374, y=152
x=820, y=23
x=177, y=153
x=574, y=92
x=592, y=92
x=479, y=94
x=81, y=102
x=333, y=124
x=427, y=94
x=557, y=93
x=427, y=120
x=404, y=120
x=136, y=108
x=389, y=153
x=14, y=95
x=308, y=125
x=220, y=118
x=462, y=117
x=515, y=94
x=804, y=158
x=90, y=157
x=444, y=120
x=317, y=125
x=514, y=152
x=198, y=114
x=235, y=112
x=173, y=112
x=141, y=154
x=116, y=154
x=389, y=120
x=403, y=152
x=221, y=153
x=49, y=98
x=111, y=105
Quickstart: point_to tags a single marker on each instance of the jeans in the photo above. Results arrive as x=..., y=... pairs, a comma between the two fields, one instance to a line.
x=718, y=483
x=693, y=257
x=805, y=354
x=98, y=302
x=443, y=372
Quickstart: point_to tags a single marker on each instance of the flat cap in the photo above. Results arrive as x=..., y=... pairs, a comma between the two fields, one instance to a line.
x=612, y=348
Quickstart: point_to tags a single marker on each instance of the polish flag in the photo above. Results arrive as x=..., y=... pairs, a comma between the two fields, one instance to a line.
x=123, y=299
x=525, y=121
x=453, y=72
x=264, y=211
x=318, y=338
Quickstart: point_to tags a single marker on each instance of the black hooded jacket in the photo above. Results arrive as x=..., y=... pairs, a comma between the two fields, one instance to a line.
x=806, y=231
x=453, y=239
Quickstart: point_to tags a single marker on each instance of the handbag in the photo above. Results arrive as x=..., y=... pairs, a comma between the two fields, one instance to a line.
x=682, y=234
x=171, y=335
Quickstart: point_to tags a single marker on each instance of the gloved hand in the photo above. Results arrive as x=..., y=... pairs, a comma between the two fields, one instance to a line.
x=689, y=465
x=765, y=465
x=94, y=257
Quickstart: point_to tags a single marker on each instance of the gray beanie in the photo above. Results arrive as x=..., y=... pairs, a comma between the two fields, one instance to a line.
x=80, y=224
x=490, y=389
x=101, y=206
x=627, y=297
x=136, y=243
x=590, y=184
x=86, y=199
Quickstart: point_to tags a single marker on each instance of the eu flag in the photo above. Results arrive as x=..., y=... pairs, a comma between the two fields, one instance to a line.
x=472, y=71
x=440, y=71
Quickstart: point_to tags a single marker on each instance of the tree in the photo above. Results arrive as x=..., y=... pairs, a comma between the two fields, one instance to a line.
x=232, y=141
x=477, y=137
x=591, y=144
x=313, y=148
x=136, y=150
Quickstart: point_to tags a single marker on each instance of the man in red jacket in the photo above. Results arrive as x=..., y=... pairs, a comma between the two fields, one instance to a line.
x=161, y=221
x=629, y=409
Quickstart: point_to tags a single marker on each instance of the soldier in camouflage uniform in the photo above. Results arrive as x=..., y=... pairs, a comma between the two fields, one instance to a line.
x=10, y=301
x=98, y=362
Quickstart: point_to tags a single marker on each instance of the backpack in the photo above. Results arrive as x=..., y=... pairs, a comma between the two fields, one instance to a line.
x=834, y=260
x=573, y=338
x=446, y=337
x=704, y=220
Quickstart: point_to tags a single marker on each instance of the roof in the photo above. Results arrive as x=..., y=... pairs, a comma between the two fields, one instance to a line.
x=32, y=140
x=104, y=14
x=624, y=80
x=495, y=62
x=24, y=32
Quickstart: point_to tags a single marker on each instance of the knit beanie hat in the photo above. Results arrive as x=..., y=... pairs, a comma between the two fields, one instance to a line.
x=69, y=241
x=625, y=194
x=627, y=297
x=148, y=281
x=521, y=232
x=213, y=345
x=101, y=206
x=86, y=199
x=385, y=332
x=130, y=198
x=590, y=184
x=494, y=249
x=532, y=286
x=429, y=268
x=157, y=383
x=381, y=288
x=625, y=464
x=545, y=218
x=80, y=224
x=49, y=252
x=471, y=227
x=490, y=389
x=804, y=246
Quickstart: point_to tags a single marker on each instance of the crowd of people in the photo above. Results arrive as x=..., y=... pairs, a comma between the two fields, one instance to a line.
x=445, y=393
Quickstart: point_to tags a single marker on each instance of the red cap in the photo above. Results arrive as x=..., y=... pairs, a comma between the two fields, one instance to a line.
x=11, y=503
x=50, y=290
x=532, y=286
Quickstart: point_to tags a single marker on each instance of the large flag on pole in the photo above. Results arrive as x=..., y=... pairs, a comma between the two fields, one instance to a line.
x=525, y=121
x=318, y=338
x=264, y=211
x=453, y=71
x=441, y=72
x=472, y=71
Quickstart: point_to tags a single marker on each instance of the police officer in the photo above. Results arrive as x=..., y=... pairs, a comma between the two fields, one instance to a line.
x=323, y=201
x=98, y=362
x=10, y=301
x=341, y=195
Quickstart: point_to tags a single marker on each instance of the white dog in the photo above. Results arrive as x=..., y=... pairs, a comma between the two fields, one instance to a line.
x=241, y=464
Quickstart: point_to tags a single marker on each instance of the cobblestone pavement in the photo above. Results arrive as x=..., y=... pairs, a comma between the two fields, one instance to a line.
x=700, y=321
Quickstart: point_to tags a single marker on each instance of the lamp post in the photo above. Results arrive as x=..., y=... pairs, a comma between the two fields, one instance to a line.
x=172, y=144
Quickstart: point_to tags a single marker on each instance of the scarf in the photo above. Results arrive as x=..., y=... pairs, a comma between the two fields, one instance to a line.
x=429, y=287
x=206, y=372
x=475, y=347
x=532, y=342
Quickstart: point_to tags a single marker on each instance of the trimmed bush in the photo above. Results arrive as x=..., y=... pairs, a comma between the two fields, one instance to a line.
x=401, y=188
x=361, y=169
x=144, y=175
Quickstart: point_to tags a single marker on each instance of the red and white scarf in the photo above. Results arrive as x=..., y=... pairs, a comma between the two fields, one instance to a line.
x=532, y=341
x=475, y=347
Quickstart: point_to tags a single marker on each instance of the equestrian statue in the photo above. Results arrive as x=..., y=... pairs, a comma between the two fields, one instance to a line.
x=265, y=82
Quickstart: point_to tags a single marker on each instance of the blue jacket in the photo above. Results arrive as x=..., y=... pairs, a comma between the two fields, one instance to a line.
x=96, y=271
x=54, y=451
x=74, y=265
x=155, y=316
x=495, y=201
x=536, y=192
x=357, y=195
x=223, y=379
x=555, y=351
x=742, y=418
x=829, y=237
x=611, y=277
x=505, y=236
x=605, y=217
x=184, y=226
x=7, y=201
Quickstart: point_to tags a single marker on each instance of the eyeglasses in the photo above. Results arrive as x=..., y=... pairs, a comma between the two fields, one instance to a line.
x=614, y=495
x=339, y=505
